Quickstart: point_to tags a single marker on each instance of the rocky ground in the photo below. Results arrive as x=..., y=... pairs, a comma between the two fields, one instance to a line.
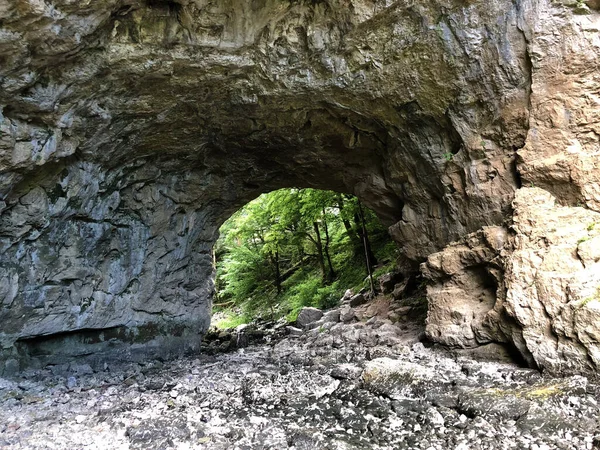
x=342, y=381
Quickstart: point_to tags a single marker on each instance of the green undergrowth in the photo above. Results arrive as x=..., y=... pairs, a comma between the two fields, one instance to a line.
x=229, y=318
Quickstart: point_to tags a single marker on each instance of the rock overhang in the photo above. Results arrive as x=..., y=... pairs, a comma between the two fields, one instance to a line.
x=130, y=130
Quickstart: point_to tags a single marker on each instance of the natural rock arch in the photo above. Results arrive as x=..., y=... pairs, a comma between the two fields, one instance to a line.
x=131, y=129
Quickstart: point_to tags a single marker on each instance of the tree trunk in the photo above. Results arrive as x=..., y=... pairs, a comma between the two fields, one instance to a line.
x=277, y=271
x=331, y=273
x=367, y=247
x=347, y=225
x=319, y=245
x=359, y=219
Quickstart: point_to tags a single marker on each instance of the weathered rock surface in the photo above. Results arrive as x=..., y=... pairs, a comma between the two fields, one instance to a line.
x=536, y=286
x=553, y=282
x=469, y=277
x=357, y=300
x=131, y=129
x=308, y=315
x=561, y=151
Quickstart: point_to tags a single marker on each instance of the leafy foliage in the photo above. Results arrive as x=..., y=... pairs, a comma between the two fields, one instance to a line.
x=293, y=248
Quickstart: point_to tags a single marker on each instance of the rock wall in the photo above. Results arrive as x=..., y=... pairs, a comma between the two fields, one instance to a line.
x=536, y=283
x=131, y=129
x=535, y=286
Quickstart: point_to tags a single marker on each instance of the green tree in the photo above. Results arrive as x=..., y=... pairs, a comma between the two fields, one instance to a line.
x=295, y=247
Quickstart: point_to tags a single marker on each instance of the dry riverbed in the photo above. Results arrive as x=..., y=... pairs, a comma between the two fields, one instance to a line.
x=354, y=385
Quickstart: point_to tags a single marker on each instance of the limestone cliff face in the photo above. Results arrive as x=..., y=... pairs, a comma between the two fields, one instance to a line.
x=536, y=284
x=129, y=130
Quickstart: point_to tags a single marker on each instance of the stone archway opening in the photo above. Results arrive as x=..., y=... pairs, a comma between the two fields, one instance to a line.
x=115, y=256
x=295, y=248
x=112, y=252
x=130, y=130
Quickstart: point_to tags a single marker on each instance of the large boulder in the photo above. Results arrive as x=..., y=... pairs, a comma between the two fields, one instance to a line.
x=553, y=282
x=536, y=288
x=467, y=283
x=308, y=315
x=388, y=280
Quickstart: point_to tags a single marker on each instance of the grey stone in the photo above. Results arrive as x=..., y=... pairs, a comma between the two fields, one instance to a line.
x=306, y=393
x=347, y=314
x=314, y=325
x=346, y=371
x=332, y=316
x=242, y=335
x=357, y=300
x=308, y=315
x=293, y=331
x=71, y=382
x=136, y=128
x=388, y=281
x=11, y=367
x=434, y=417
x=347, y=296
x=400, y=289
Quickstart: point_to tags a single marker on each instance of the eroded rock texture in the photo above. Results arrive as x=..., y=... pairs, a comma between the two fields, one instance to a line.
x=537, y=284
x=536, y=287
x=129, y=130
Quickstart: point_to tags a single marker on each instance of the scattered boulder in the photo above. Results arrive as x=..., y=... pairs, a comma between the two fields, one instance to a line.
x=347, y=314
x=462, y=291
x=388, y=281
x=242, y=338
x=320, y=325
x=332, y=316
x=224, y=335
x=293, y=331
x=394, y=377
x=324, y=389
x=71, y=382
x=493, y=402
x=347, y=296
x=400, y=289
x=346, y=371
x=433, y=416
x=308, y=315
x=358, y=300
x=403, y=310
